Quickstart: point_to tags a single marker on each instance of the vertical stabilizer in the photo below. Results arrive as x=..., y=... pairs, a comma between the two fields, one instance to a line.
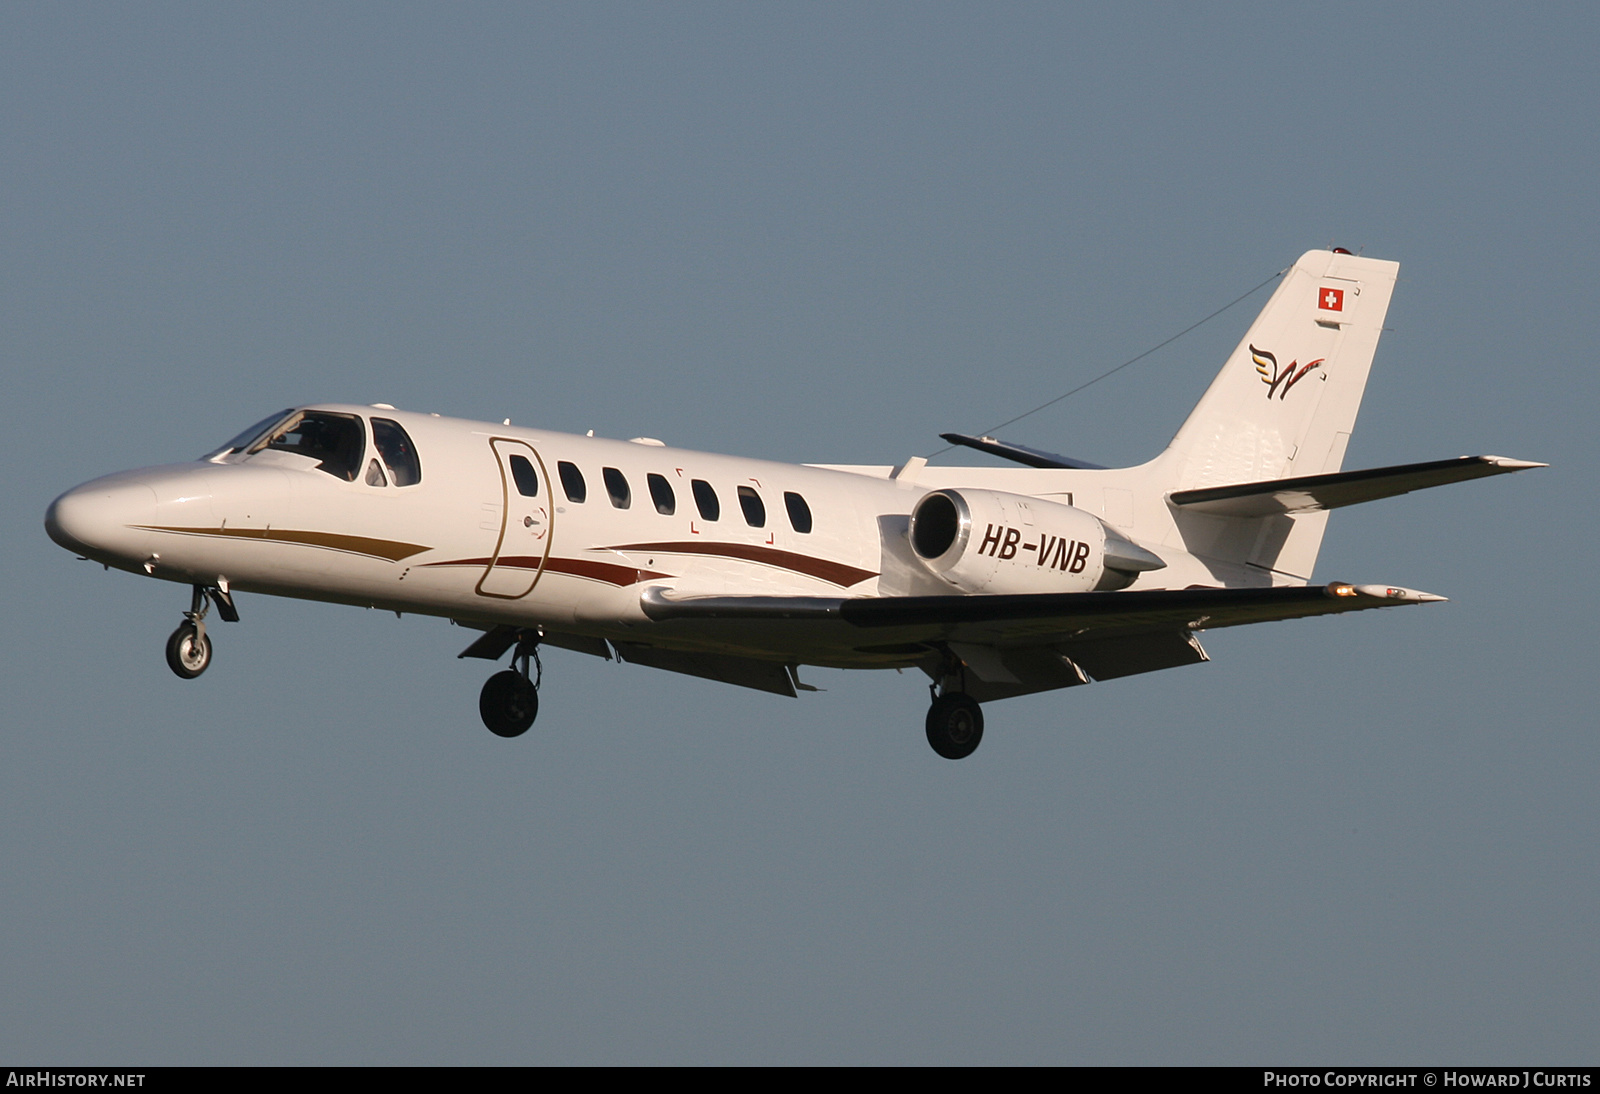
x=1285, y=404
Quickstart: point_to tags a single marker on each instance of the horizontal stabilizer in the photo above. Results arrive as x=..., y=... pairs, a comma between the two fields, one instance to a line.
x=1018, y=453
x=1312, y=492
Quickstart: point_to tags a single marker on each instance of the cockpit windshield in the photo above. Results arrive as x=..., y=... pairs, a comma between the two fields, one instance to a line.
x=335, y=441
x=243, y=440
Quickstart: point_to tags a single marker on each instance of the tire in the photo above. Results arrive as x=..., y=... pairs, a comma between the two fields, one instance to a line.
x=188, y=652
x=955, y=726
x=508, y=704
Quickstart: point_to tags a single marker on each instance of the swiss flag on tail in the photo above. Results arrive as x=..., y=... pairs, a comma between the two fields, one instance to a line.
x=1330, y=299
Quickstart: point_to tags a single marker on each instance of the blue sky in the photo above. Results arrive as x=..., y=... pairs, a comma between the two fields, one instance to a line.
x=814, y=233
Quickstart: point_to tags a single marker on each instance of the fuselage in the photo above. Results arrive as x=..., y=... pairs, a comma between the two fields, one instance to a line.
x=497, y=524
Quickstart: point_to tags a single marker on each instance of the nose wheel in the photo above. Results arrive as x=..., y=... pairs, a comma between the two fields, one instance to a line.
x=955, y=725
x=189, y=647
x=509, y=701
x=189, y=650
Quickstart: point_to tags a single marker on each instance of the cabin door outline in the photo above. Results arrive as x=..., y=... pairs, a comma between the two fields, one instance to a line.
x=522, y=549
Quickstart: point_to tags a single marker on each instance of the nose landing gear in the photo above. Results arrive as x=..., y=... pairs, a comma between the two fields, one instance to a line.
x=188, y=647
x=509, y=701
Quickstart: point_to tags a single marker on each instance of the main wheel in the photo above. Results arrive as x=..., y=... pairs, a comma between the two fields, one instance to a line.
x=188, y=651
x=508, y=704
x=955, y=725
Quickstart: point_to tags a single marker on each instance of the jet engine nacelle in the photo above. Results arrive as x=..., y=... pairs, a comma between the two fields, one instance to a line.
x=987, y=541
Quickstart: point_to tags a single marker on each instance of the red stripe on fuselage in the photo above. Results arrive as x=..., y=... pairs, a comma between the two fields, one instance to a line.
x=836, y=573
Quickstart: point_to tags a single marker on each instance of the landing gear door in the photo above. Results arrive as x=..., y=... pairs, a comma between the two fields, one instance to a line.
x=523, y=545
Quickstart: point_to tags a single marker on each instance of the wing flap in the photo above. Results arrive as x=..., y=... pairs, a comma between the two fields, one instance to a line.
x=497, y=640
x=1023, y=671
x=747, y=672
x=1129, y=654
x=493, y=643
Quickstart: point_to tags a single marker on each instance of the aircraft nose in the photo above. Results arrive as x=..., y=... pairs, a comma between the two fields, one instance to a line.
x=101, y=519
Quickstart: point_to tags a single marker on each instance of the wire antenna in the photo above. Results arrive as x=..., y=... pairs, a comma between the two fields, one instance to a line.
x=1130, y=361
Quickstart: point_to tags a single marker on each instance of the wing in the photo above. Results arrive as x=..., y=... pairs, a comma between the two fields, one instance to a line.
x=1007, y=645
x=1019, y=618
x=1016, y=644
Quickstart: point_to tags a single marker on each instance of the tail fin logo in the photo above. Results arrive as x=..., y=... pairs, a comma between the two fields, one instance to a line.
x=1275, y=376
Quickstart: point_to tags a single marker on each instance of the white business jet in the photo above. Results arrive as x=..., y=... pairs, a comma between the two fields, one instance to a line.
x=994, y=581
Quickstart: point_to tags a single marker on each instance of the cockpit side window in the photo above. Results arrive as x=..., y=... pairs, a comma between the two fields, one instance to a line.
x=335, y=441
x=394, y=444
x=243, y=440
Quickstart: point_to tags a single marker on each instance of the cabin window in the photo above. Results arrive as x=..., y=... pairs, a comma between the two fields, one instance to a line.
x=572, y=481
x=661, y=494
x=395, y=446
x=526, y=479
x=617, y=487
x=335, y=441
x=755, y=513
x=799, y=511
x=705, y=499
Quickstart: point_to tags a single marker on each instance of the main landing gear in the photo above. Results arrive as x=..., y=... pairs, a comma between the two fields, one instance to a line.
x=188, y=647
x=509, y=701
x=955, y=724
